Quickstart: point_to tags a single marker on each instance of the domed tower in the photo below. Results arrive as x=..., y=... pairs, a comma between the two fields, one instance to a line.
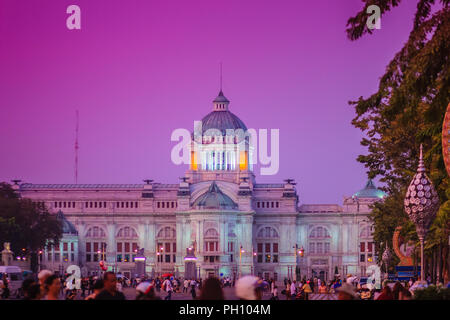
x=361, y=200
x=370, y=191
x=220, y=147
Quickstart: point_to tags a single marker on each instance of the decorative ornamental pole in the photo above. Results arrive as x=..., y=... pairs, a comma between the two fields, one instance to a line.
x=421, y=204
x=386, y=258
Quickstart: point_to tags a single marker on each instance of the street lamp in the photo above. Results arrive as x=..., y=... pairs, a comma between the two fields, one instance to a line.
x=159, y=263
x=241, y=251
x=301, y=252
x=39, y=260
x=298, y=252
x=421, y=204
x=254, y=254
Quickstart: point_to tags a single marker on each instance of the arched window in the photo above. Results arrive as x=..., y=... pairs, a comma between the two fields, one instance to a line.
x=267, y=232
x=211, y=233
x=127, y=232
x=319, y=232
x=166, y=245
x=166, y=233
x=267, y=245
x=127, y=245
x=95, y=232
x=211, y=240
x=366, y=245
x=365, y=232
x=95, y=244
x=315, y=246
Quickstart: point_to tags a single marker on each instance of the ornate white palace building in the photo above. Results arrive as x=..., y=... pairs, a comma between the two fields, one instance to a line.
x=233, y=224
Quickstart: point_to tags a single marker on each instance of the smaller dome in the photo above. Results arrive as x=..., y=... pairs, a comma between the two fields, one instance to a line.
x=214, y=198
x=369, y=191
x=221, y=98
x=67, y=226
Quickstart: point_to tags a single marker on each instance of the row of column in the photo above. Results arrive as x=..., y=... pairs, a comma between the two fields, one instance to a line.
x=219, y=160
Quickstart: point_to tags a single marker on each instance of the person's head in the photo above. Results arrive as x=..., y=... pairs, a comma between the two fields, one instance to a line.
x=146, y=291
x=397, y=290
x=53, y=284
x=98, y=286
x=34, y=292
x=26, y=284
x=110, y=281
x=346, y=292
x=406, y=295
x=249, y=288
x=43, y=275
x=387, y=290
x=31, y=290
x=212, y=290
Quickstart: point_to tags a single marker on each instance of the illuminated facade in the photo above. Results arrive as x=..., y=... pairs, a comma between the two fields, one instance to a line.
x=233, y=224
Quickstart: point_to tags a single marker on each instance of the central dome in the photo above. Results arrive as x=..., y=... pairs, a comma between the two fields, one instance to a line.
x=221, y=118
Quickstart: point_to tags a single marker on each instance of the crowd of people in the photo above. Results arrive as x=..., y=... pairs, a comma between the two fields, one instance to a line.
x=349, y=289
x=50, y=286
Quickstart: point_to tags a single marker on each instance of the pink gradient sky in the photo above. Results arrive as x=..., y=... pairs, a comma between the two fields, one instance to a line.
x=139, y=69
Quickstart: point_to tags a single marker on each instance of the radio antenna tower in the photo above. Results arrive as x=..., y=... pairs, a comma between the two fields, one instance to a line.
x=76, y=149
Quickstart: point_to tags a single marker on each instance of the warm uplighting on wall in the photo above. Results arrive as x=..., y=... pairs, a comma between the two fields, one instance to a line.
x=194, y=164
x=243, y=160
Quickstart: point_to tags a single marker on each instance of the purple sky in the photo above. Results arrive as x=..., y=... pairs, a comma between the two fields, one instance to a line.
x=137, y=70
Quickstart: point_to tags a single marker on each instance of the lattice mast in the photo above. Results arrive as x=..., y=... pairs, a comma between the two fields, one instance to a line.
x=76, y=148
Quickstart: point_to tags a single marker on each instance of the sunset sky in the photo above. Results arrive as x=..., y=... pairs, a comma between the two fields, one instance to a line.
x=138, y=69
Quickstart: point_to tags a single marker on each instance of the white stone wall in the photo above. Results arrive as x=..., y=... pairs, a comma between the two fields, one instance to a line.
x=292, y=220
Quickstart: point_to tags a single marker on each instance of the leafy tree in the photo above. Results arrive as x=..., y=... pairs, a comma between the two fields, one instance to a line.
x=408, y=110
x=26, y=225
x=432, y=293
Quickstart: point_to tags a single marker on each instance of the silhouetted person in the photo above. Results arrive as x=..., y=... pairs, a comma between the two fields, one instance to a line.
x=110, y=291
x=211, y=290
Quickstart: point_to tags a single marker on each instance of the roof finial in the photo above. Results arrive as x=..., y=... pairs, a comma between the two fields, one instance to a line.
x=421, y=167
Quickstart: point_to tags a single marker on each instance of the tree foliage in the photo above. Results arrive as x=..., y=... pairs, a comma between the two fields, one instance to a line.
x=25, y=224
x=407, y=110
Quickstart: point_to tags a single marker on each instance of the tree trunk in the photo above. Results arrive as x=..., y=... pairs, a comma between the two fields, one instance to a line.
x=34, y=262
x=445, y=264
x=439, y=264
x=435, y=265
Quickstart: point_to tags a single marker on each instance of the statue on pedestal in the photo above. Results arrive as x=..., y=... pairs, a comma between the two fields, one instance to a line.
x=7, y=254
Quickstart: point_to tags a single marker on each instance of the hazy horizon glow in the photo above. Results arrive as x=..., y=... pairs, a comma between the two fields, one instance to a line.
x=137, y=70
